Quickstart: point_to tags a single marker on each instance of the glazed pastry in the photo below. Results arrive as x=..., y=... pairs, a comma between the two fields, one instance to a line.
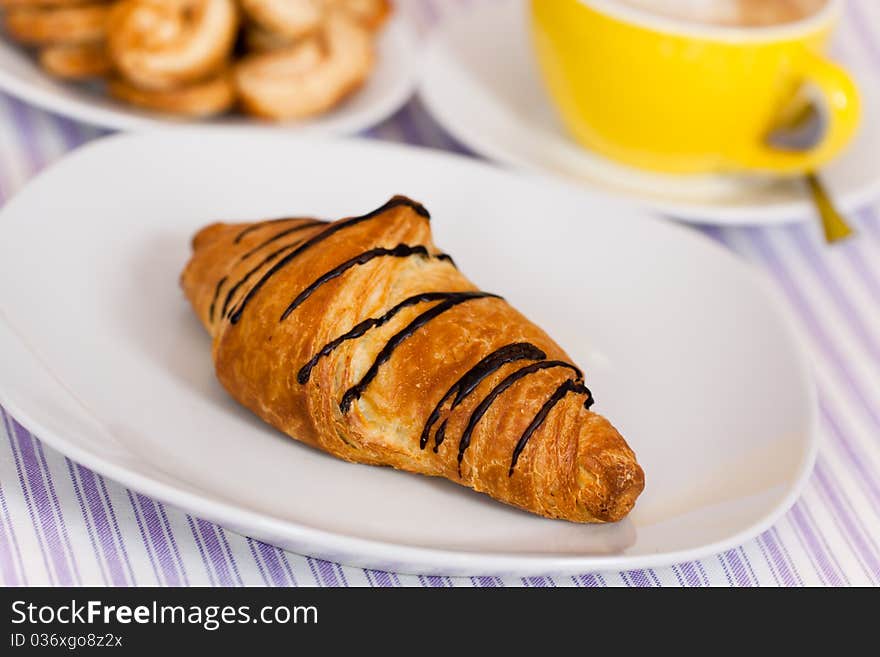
x=309, y=77
x=200, y=99
x=361, y=338
x=76, y=61
x=163, y=44
x=67, y=24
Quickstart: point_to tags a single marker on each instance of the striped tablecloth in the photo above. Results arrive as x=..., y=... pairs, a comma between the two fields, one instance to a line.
x=61, y=524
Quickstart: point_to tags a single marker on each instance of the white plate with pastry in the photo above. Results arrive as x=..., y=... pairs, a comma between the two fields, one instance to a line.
x=686, y=350
x=481, y=82
x=337, y=78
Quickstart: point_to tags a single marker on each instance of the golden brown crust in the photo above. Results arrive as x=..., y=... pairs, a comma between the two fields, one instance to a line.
x=77, y=61
x=309, y=77
x=164, y=45
x=200, y=99
x=575, y=465
x=4, y=4
x=57, y=25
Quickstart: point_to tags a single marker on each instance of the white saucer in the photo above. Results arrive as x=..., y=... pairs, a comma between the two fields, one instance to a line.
x=688, y=350
x=389, y=86
x=480, y=81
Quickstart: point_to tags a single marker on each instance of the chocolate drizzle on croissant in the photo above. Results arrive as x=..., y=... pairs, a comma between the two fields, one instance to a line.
x=384, y=356
x=399, y=251
x=595, y=476
x=235, y=316
x=302, y=225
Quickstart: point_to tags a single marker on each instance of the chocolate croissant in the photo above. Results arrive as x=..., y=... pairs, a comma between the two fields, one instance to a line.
x=361, y=338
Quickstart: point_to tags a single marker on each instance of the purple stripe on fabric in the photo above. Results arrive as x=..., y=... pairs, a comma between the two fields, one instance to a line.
x=784, y=562
x=33, y=478
x=809, y=514
x=50, y=485
x=7, y=420
x=770, y=566
x=7, y=517
x=156, y=536
x=691, y=577
x=432, y=133
x=232, y=562
x=198, y=542
x=825, y=278
x=215, y=552
x=483, y=582
x=102, y=526
x=273, y=565
x=252, y=545
x=324, y=574
x=854, y=530
x=74, y=134
x=404, y=121
x=315, y=575
x=372, y=133
x=144, y=539
x=8, y=546
x=340, y=572
x=720, y=558
x=13, y=540
x=703, y=575
x=540, y=582
x=77, y=489
x=432, y=581
x=639, y=578
x=748, y=562
x=738, y=568
x=380, y=577
x=108, y=503
x=821, y=336
x=678, y=576
x=814, y=547
x=854, y=456
x=288, y=568
x=589, y=580
x=712, y=232
x=25, y=129
x=173, y=542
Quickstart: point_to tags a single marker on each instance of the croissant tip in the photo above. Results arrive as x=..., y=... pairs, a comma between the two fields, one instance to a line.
x=207, y=235
x=625, y=487
x=609, y=477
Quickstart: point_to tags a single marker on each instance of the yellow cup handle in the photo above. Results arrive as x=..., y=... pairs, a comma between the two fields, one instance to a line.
x=842, y=110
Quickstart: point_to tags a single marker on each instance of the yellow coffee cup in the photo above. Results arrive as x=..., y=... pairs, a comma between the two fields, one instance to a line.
x=675, y=96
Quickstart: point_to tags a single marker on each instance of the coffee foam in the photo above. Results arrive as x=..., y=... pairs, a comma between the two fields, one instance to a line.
x=745, y=13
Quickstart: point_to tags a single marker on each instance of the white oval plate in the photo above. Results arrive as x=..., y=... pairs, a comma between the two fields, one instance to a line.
x=480, y=81
x=686, y=348
x=388, y=87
